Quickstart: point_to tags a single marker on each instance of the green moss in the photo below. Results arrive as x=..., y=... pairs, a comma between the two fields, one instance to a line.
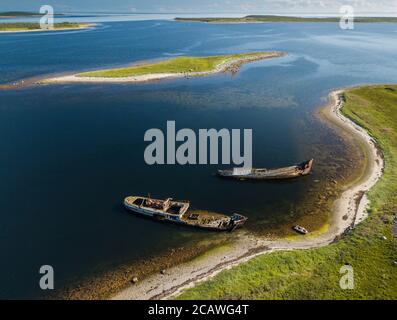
x=314, y=274
x=176, y=65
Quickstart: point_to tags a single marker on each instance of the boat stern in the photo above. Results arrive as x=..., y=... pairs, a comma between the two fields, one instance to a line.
x=307, y=167
x=130, y=201
x=224, y=173
x=237, y=221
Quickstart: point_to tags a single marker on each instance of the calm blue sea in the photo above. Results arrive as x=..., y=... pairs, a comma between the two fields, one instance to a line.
x=71, y=153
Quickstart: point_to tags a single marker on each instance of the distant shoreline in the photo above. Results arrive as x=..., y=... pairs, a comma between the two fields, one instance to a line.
x=24, y=14
x=19, y=14
x=80, y=26
x=349, y=210
x=289, y=19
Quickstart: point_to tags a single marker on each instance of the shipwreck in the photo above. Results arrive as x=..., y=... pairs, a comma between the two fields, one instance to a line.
x=290, y=172
x=179, y=212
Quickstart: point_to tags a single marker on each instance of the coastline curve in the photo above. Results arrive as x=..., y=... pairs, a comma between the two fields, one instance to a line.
x=349, y=210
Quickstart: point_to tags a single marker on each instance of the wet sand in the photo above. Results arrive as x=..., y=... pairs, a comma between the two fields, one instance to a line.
x=348, y=210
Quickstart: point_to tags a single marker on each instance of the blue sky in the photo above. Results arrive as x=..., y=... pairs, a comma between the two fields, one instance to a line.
x=204, y=6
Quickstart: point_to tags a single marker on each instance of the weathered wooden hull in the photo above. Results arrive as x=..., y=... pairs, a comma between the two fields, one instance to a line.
x=222, y=222
x=291, y=172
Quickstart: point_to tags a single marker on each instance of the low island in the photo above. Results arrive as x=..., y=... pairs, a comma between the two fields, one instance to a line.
x=273, y=18
x=19, y=14
x=35, y=27
x=172, y=68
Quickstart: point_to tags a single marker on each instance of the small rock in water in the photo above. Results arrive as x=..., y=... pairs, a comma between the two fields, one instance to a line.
x=383, y=238
x=134, y=280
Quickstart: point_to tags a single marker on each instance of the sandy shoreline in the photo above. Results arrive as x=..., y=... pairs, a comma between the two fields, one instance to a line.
x=81, y=27
x=223, y=67
x=349, y=210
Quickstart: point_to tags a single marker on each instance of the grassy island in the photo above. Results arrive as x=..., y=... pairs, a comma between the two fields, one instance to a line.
x=270, y=18
x=371, y=248
x=31, y=26
x=182, y=65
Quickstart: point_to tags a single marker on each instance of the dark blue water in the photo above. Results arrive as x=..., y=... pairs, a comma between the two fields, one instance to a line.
x=71, y=153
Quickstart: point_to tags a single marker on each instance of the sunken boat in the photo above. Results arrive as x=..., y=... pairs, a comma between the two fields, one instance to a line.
x=291, y=172
x=300, y=229
x=179, y=212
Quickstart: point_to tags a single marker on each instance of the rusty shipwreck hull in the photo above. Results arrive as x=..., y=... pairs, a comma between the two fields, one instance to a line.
x=290, y=172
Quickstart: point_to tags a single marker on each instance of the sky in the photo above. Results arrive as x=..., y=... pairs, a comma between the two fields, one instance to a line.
x=204, y=6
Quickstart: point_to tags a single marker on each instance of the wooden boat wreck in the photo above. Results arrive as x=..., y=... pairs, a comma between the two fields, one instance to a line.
x=300, y=229
x=179, y=212
x=295, y=171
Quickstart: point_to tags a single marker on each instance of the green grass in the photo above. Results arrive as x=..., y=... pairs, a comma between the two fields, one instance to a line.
x=175, y=65
x=270, y=18
x=314, y=274
x=27, y=26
